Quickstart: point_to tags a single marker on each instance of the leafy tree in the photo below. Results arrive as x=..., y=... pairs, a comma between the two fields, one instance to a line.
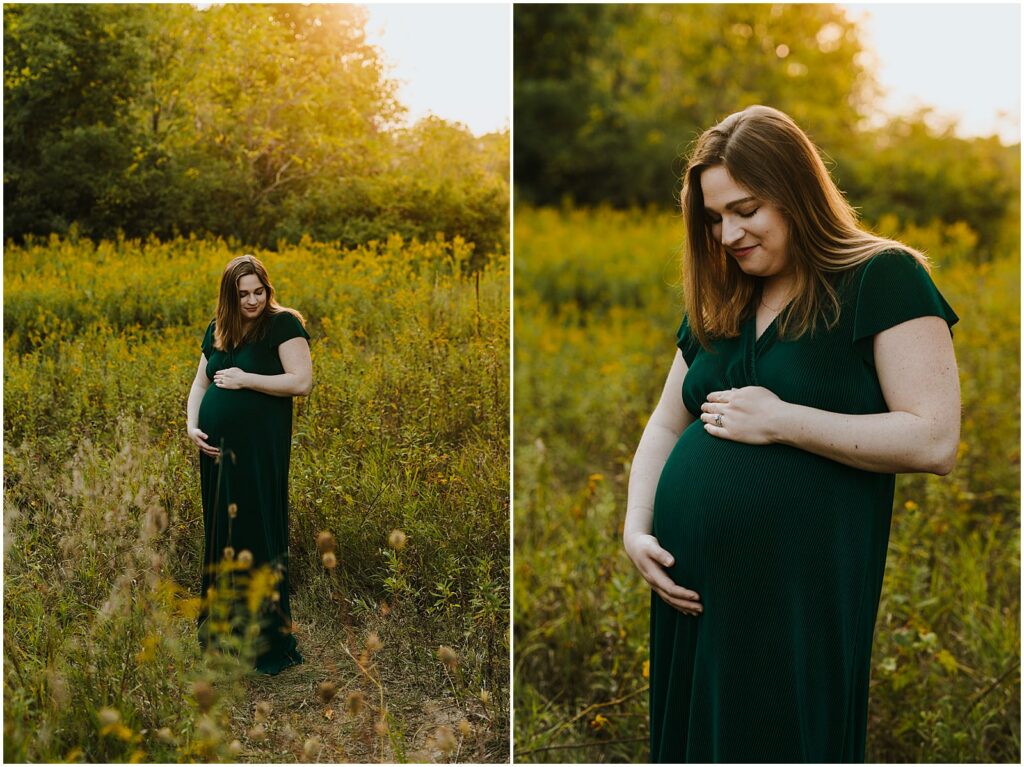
x=259, y=122
x=71, y=74
x=626, y=88
x=609, y=98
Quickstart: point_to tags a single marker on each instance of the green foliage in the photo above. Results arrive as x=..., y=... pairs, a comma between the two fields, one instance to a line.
x=258, y=122
x=609, y=98
x=590, y=361
x=935, y=176
x=406, y=429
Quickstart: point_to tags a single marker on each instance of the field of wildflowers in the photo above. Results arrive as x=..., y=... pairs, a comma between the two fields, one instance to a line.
x=597, y=303
x=398, y=521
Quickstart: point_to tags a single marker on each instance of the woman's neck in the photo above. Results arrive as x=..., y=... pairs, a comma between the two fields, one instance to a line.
x=776, y=291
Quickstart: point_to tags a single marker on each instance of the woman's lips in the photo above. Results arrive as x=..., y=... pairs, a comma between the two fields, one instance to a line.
x=741, y=252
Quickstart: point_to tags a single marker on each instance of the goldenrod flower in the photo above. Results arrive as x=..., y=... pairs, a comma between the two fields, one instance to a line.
x=232, y=510
x=245, y=558
x=262, y=585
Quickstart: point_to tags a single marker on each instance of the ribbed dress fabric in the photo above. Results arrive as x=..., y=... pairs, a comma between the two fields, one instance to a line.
x=786, y=548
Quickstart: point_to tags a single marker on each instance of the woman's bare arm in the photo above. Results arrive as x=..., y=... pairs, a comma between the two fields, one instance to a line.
x=195, y=398
x=667, y=422
x=296, y=380
x=921, y=432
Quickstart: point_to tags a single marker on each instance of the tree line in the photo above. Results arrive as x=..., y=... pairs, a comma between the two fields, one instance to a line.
x=608, y=98
x=260, y=122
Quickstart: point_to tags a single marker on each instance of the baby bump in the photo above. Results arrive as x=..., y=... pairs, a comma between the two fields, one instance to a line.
x=233, y=415
x=743, y=517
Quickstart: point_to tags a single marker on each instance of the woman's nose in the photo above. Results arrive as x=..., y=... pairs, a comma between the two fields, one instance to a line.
x=732, y=232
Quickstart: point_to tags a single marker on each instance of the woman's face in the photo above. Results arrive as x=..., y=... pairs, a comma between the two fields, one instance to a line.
x=754, y=232
x=252, y=296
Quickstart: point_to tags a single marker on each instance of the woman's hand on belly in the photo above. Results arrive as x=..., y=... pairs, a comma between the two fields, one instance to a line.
x=198, y=436
x=742, y=415
x=650, y=559
x=231, y=378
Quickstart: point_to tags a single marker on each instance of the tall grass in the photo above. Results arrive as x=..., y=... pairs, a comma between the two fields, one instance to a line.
x=596, y=306
x=405, y=430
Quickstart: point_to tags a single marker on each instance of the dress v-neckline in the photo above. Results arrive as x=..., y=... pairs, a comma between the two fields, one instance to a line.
x=769, y=329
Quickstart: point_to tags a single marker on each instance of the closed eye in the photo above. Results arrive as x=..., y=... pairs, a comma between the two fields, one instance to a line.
x=718, y=220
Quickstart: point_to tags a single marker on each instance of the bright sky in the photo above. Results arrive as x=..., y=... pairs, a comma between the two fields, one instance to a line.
x=452, y=60
x=963, y=60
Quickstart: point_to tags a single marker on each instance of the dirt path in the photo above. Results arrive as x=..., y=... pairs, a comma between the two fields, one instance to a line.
x=302, y=727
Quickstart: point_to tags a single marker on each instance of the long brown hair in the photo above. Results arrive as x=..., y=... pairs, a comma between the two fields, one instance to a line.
x=230, y=332
x=767, y=153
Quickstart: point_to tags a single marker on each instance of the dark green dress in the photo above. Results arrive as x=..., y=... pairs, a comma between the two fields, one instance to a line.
x=253, y=431
x=786, y=548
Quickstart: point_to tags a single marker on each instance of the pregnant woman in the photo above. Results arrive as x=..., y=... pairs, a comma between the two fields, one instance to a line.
x=815, y=361
x=256, y=355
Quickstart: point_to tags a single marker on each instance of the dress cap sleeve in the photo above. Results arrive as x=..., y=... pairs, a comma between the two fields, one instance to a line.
x=207, y=346
x=686, y=342
x=894, y=287
x=284, y=327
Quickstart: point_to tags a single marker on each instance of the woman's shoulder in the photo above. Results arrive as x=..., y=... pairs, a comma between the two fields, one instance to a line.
x=284, y=324
x=890, y=265
x=896, y=256
x=286, y=315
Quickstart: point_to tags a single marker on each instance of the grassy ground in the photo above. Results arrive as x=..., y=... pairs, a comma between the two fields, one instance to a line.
x=406, y=640
x=596, y=306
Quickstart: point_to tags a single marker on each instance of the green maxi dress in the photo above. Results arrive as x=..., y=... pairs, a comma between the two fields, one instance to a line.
x=786, y=548
x=253, y=431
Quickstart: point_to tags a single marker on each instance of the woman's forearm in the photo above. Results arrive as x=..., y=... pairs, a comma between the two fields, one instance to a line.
x=282, y=385
x=892, y=442
x=195, y=399
x=648, y=461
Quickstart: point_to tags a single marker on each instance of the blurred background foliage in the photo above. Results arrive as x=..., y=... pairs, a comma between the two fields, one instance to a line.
x=609, y=97
x=607, y=100
x=145, y=146
x=258, y=122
